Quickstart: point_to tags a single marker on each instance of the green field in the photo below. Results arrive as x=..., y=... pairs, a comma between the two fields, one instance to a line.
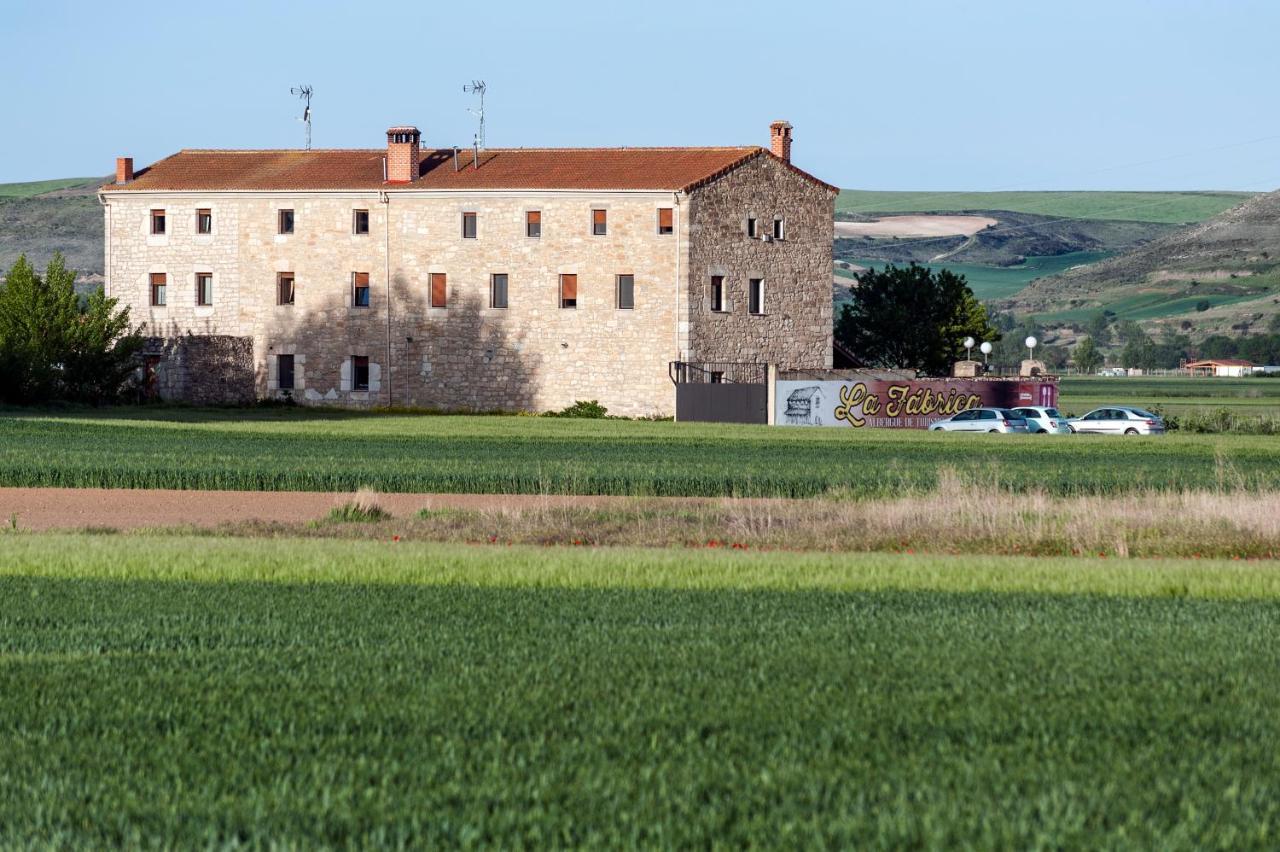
x=1001, y=282
x=39, y=187
x=1171, y=394
x=280, y=449
x=222, y=692
x=1166, y=207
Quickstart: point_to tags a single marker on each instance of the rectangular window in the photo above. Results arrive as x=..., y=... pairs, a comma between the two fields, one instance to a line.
x=284, y=372
x=284, y=288
x=533, y=223
x=498, y=290
x=755, y=296
x=284, y=222
x=204, y=221
x=599, y=222
x=779, y=229
x=360, y=372
x=157, y=221
x=717, y=377
x=626, y=292
x=666, y=218
x=568, y=291
x=360, y=222
x=360, y=289
x=468, y=226
x=717, y=292
x=439, y=290
x=751, y=228
x=204, y=289
x=159, y=286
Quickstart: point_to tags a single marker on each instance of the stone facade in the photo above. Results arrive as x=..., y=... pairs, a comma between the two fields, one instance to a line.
x=469, y=355
x=200, y=369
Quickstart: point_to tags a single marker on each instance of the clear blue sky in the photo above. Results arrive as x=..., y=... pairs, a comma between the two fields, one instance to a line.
x=901, y=94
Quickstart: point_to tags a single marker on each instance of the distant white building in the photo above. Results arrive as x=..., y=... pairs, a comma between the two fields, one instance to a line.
x=1221, y=367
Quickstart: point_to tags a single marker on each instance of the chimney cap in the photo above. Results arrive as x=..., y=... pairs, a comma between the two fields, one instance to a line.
x=781, y=124
x=403, y=128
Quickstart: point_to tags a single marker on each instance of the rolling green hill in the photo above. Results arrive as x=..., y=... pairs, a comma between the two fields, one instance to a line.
x=40, y=187
x=1166, y=207
x=37, y=219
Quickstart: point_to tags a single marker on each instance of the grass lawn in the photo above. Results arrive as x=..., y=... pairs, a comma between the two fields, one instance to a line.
x=1172, y=394
x=214, y=692
x=1167, y=207
x=308, y=450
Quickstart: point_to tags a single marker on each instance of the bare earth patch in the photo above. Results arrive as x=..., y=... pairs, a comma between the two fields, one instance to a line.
x=916, y=226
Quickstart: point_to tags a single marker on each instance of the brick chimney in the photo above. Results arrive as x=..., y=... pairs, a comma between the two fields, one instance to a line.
x=780, y=140
x=402, y=154
x=124, y=169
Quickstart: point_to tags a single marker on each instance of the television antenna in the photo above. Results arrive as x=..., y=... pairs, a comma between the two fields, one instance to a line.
x=477, y=87
x=304, y=92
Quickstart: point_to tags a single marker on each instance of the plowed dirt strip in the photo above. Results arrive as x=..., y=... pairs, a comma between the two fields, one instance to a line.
x=77, y=508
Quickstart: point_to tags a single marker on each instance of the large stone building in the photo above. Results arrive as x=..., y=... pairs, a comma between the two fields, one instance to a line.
x=521, y=279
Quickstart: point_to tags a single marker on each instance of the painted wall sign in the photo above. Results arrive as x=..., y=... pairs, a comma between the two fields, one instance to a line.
x=900, y=404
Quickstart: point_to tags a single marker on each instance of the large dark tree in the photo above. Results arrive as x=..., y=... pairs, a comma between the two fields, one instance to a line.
x=55, y=345
x=912, y=318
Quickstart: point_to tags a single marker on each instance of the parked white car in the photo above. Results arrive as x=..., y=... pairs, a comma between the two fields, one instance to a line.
x=1118, y=420
x=981, y=420
x=1044, y=420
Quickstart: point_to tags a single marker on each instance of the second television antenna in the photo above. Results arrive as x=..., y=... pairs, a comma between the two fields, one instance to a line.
x=477, y=87
x=305, y=93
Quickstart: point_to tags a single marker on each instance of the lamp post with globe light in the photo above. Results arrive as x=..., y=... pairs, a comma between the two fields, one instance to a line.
x=985, y=348
x=1031, y=348
x=968, y=348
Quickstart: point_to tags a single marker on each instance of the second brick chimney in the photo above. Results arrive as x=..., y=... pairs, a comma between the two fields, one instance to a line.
x=124, y=169
x=402, y=154
x=780, y=140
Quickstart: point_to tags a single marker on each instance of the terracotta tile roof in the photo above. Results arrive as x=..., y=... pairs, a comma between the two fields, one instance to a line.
x=1221, y=362
x=499, y=168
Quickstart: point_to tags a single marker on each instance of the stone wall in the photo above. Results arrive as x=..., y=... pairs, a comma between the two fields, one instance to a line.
x=796, y=327
x=202, y=369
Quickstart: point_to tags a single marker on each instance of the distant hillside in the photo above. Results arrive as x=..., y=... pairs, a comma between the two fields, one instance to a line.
x=1176, y=208
x=1219, y=275
x=37, y=219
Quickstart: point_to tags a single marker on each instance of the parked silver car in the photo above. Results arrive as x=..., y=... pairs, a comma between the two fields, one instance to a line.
x=1044, y=420
x=1118, y=420
x=981, y=420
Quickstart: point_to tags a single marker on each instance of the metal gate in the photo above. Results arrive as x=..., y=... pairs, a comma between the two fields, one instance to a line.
x=721, y=391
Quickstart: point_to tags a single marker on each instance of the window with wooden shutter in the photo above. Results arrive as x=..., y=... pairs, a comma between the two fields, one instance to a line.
x=439, y=290
x=204, y=221
x=204, y=289
x=599, y=222
x=360, y=289
x=568, y=291
x=284, y=288
x=666, y=220
x=157, y=222
x=284, y=222
x=159, y=289
x=533, y=223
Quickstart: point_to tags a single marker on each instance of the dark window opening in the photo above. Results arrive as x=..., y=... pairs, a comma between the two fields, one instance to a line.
x=284, y=222
x=626, y=292
x=360, y=372
x=751, y=228
x=360, y=222
x=568, y=291
x=159, y=288
x=717, y=377
x=157, y=222
x=284, y=372
x=533, y=223
x=779, y=229
x=717, y=292
x=204, y=221
x=756, y=296
x=468, y=226
x=360, y=289
x=498, y=290
x=439, y=290
x=284, y=288
x=204, y=289
x=599, y=222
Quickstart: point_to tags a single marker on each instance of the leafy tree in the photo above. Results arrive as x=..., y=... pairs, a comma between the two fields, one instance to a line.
x=1273, y=324
x=1218, y=346
x=1128, y=331
x=1261, y=349
x=1087, y=357
x=1099, y=328
x=912, y=317
x=53, y=346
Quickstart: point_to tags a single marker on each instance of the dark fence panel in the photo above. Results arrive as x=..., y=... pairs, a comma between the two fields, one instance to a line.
x=722, y=403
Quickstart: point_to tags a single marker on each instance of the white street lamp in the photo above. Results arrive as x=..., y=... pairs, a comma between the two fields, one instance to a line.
x=1031, y=348
x=986, y=348
x=968, y=348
